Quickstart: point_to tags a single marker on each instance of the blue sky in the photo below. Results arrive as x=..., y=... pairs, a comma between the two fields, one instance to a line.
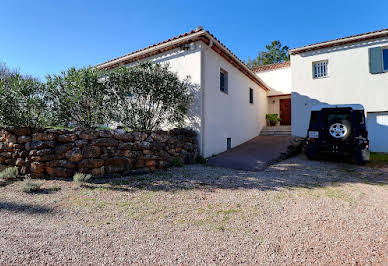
x=44, y=36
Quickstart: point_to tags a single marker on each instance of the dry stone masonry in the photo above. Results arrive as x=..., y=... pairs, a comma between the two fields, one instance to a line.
x=61, y=153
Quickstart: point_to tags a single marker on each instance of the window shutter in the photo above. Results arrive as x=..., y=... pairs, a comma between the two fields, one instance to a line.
x=375, y=60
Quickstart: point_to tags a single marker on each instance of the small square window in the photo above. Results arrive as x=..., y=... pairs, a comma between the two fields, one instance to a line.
x=223, y=81
x=250, y=95
x=320, y=69
x=385, y=59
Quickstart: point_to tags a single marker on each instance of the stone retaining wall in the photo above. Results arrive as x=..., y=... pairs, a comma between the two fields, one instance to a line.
x=61, y=153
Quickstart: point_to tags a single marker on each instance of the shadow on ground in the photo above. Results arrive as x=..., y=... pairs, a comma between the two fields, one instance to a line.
x=296, y=172
x=24, y=208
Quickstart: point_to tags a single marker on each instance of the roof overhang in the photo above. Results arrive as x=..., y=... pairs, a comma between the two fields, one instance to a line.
x=341, y=41
x=193, y=36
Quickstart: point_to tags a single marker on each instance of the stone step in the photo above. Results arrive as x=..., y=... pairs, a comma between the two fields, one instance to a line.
x=276, y=131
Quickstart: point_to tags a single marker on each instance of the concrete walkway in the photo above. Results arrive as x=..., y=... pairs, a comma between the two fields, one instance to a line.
x=253, y=155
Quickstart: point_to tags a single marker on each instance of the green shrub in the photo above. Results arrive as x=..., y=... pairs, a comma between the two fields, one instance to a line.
x=177, y=162
x=30, y=186
x=22, y=100
x=201, y=160
x=81, y=178
x=10, y=173
x=272, y=117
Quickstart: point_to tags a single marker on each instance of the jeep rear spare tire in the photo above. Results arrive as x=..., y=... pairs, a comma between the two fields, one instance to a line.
x=340, y=130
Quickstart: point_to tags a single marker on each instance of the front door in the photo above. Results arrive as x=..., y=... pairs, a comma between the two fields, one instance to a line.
x=285, y=112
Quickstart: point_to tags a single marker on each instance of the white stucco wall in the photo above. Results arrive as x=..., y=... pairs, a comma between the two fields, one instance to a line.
x=278, y=79
x=229, y=115
x=348, y=81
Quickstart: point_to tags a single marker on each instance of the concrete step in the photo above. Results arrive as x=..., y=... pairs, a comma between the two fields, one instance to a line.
x=276, y=131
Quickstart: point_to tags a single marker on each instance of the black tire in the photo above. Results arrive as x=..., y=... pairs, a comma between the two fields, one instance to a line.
x=311, y=152
x=345, y=123
x=361, y=157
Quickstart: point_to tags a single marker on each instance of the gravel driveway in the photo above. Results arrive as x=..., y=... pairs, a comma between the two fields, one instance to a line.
x=295, y=212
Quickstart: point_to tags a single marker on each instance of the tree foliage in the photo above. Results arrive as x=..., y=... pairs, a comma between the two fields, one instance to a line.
x=22, y=100
x=149, y=96
x=274, y=53
x=79, y=98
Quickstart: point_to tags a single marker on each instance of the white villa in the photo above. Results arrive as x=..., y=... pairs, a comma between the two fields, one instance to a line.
x=231, y=100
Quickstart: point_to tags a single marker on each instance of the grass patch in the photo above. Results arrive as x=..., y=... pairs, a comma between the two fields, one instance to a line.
x=80, y=178
x=30, y=186
x=337, y=193
x=9, y=174
x=378, y=159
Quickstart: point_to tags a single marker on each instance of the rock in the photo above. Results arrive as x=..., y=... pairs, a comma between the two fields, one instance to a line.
x=74, y=155
x=145, y=145
x=24, y=139
x=105, y=142
x=150, y=164
x=118, y=165
x=91, y=163
x=59, y=172
x=67, y=138
x=81, y=142
x=37, y=168
x=88, y=135
x=43, y=137
x=57, y=131
x=66, y=164
x=98, y=171
x=22, y=131
x=42, y=152
x=127, y=146
x=23, y=154
x=6, y=155
x=123, y=136
x=91, y=152
x=105, y=134
x=27, y=146
x=139, y=136
x=64, y=148
x=19, y=162
x=40, y=145
x=160, y=136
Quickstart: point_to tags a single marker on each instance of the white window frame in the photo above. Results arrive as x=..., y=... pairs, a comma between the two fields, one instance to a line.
x=322, y=68
x=382, y=57
x=226, y=81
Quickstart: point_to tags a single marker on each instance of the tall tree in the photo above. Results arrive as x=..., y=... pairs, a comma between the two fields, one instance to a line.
x=274, y=53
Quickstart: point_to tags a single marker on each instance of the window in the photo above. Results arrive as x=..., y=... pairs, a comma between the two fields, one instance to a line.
x=385, y=59
x=223, y=81
x=228, y=143
x=250, y=95
x=320, y=69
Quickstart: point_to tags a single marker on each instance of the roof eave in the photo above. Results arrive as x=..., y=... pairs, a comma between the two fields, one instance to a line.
x=334, y=43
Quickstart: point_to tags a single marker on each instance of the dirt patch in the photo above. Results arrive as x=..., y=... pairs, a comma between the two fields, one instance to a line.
x=294, y=212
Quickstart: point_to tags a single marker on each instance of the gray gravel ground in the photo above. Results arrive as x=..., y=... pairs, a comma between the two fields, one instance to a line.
x=295, y=212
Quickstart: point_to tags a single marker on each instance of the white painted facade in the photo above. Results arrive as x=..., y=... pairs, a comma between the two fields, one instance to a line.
x=229, y=115
x=278, y=79
x=280, y=82
x=215, y=115
x=349, y=81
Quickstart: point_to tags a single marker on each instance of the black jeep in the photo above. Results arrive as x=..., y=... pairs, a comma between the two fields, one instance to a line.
x=338, y=130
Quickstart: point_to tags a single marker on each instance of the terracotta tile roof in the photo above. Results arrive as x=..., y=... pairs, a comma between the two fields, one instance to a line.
x=341, y=41
x=271, y=66
x=195, y=35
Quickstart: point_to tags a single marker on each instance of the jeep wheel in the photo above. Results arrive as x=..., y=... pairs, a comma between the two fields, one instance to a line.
x=340, y=130
x=311, y=152
x=361, y=157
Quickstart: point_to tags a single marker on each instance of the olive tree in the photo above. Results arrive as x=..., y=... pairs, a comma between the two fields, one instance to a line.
x=149, y=96
x=79, y=97
x=22, y=100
